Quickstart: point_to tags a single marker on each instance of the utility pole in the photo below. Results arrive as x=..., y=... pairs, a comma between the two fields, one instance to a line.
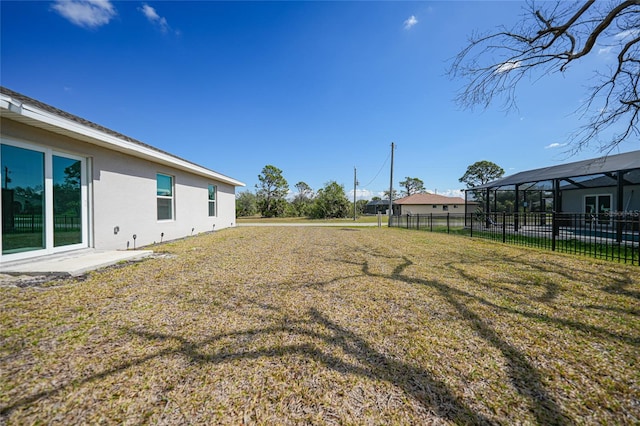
x=355, y=184
x=7, y=179
x=391, y=186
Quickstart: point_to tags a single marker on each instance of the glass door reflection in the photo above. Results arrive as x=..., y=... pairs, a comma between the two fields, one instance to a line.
x=23, y=200
x=67, y=201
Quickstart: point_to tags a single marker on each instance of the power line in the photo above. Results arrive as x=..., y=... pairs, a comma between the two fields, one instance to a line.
x=381, y=167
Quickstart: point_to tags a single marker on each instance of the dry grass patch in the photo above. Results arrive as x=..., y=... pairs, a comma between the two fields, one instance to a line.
x=327, y=326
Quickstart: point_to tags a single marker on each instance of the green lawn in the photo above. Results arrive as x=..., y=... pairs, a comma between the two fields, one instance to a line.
x=346, y=221
x=309, y=325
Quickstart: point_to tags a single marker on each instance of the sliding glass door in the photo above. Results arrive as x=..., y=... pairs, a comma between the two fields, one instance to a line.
x=44, y=200
x=67, y=201
x=23, y=200
x=597, y=208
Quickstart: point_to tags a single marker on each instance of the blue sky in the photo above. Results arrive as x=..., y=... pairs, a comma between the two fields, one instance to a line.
x=313, y=88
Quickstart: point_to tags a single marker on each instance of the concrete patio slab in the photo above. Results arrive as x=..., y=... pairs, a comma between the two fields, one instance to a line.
x=73, y=263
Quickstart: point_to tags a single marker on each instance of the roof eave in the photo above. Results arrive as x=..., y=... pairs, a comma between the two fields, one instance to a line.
x=19, y=111
x=594, y=166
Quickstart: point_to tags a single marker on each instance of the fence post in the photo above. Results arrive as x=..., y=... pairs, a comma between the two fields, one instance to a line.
x=554, y=224
x=632, y=238
x=504, y=227
x=470, y=221
x=418, y=222
x=448, y=227
x=431, y=222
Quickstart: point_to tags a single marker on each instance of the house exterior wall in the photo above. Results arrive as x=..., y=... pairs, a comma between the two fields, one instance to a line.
x=573, y=200
x=429, y=208
x=136, y=203
x=122, y=193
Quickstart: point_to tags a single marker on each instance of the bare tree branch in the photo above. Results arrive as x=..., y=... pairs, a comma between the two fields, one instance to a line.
x=549, y=40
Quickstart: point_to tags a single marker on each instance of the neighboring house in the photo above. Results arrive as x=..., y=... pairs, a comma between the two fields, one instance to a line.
x=599, y=185
x=430, y=203
x=70, y=184
x=379, y=206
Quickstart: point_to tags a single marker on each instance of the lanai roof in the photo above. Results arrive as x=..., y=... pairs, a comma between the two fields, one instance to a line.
x=602, y=165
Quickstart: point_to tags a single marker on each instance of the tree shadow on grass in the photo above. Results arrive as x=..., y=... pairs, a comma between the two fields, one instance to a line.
x=432, y=394
x=552, y=290
x=525, y=378
x=620, y=286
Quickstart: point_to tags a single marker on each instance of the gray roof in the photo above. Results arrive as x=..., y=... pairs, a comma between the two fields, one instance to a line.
x=79, y=120
x=601, y=165
x=46, y=107
x=379, y=203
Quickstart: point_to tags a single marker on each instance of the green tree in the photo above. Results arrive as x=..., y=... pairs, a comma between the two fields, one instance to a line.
x=330, y=202
x=246, y=204
x=395, y=195
x=481, y=172
x=301, y=204
x=67, y=193
x=271, y=192
x=412, y=186
x=551, y=37
x=360, y=204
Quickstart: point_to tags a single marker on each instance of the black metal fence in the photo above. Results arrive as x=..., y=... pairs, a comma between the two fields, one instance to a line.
x=29, y=223
x=611, y=236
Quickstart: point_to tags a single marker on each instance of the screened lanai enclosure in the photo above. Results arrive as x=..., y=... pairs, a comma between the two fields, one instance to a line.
x=590, y=207
x=597, y=186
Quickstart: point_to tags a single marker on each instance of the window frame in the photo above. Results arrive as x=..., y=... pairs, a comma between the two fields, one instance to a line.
x=601, y=216
x=48, y=201
x=213, y=201
x=170, y=197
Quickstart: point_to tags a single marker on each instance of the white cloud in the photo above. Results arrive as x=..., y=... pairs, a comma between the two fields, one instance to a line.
x=86, y=13
x=453, y=193
x=507, y=66
x=604, y=50
x=447, y=192
x=410, y=22
x=634, y=32
x=555, y=145
x=362, y=194
x=153, y=17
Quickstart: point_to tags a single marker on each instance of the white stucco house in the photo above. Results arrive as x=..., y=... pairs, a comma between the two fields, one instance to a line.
x=70, y=184
x=430, y=203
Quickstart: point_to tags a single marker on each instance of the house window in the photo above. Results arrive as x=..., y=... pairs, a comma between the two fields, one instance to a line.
x=435, y=207
x=455, y=206
x=445, y=208
x=164, y=186
x=212, y=200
